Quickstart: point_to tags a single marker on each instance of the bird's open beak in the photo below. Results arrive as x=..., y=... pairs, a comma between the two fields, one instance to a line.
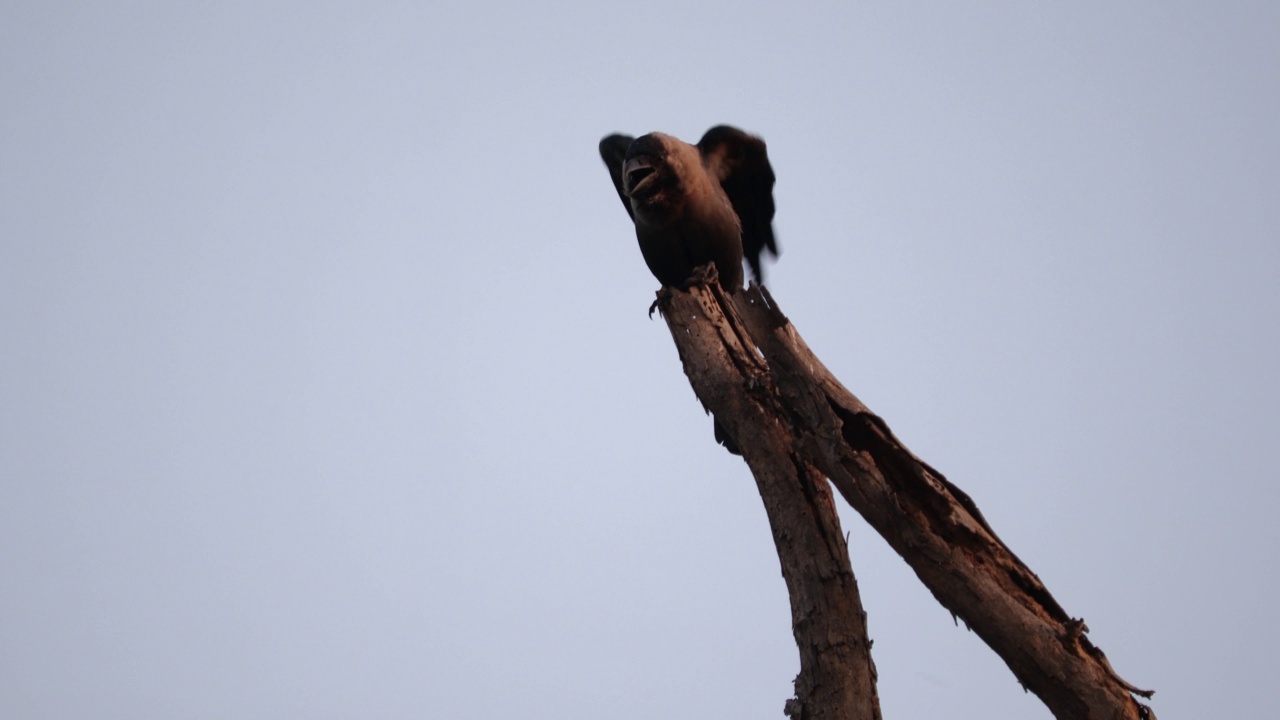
x=637, y=174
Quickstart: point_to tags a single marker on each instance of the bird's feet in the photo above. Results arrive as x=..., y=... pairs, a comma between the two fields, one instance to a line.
x=664, y=294
x=702, y=275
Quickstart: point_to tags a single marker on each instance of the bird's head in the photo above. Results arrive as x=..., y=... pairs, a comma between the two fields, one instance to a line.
x=651, y=174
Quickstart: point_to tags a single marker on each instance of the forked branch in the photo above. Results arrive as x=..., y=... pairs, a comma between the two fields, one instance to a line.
x=796, y=423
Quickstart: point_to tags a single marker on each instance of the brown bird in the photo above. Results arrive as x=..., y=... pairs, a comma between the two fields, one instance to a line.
x=692, y=205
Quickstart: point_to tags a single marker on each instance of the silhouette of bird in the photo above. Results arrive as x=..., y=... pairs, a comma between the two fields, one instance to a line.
x=695, y=204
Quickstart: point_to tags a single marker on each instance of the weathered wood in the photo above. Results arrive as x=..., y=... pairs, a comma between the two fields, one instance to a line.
x=784, y=409
x=837, y=676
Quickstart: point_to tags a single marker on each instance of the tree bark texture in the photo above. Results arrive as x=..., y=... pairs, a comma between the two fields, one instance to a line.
x=796, y=424
x=837, y=676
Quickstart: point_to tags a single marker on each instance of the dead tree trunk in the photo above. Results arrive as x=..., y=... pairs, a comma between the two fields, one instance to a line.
x=837, y=677
x=796, y=424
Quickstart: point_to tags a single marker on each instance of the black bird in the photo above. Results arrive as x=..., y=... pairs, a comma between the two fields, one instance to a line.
x=712, y=202
x=697, y=204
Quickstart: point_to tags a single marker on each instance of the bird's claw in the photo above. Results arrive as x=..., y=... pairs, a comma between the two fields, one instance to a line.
x=702, y=275
x=663, y=294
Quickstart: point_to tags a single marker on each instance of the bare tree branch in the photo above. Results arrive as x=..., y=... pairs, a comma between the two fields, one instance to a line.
x=795, y=423
x=837, y=676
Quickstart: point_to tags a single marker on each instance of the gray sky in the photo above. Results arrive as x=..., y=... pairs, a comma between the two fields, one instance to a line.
x=327, y=391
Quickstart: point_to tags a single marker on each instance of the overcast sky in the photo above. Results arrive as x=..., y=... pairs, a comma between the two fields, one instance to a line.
x=327, y=388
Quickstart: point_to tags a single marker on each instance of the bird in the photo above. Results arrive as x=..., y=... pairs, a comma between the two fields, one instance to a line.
x=696, y=204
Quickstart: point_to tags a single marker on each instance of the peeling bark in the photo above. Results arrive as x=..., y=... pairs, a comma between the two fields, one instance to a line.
x=796, y=425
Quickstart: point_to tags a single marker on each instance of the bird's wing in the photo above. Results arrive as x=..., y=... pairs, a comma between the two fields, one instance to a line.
x=613, y=150
x=741, y=163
